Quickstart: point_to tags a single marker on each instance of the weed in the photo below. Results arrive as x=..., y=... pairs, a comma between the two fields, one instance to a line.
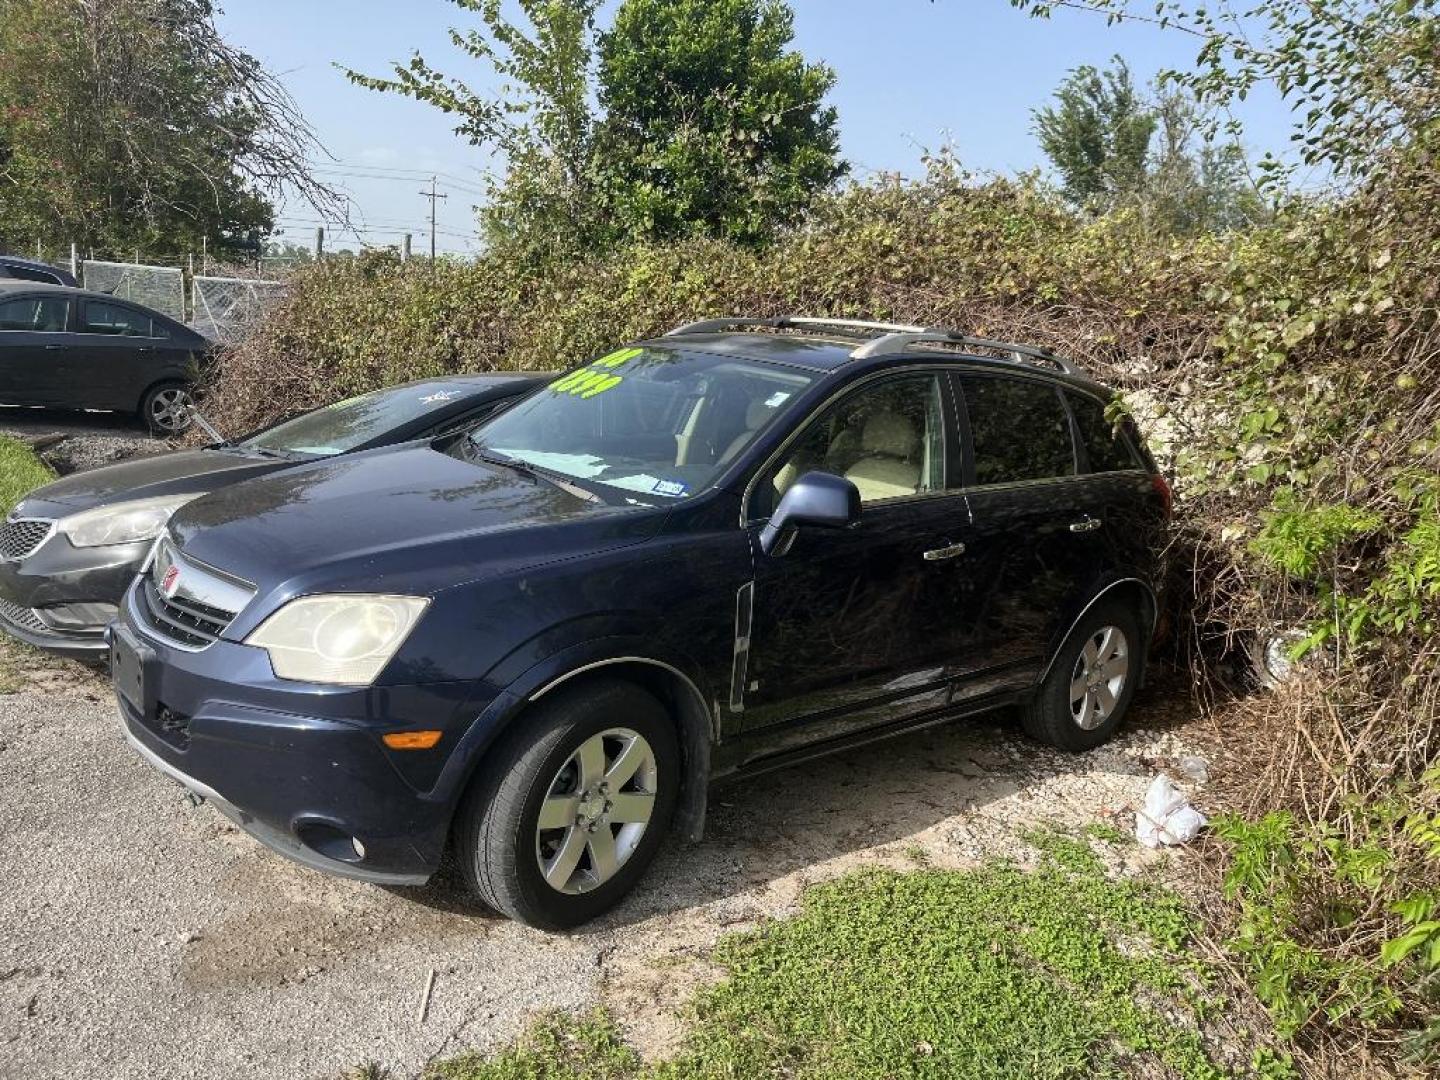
x=995, y=972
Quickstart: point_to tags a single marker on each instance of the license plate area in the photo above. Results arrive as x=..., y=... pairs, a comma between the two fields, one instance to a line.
x=127, y=669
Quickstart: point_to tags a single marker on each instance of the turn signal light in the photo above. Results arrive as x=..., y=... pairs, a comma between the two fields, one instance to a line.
x=411, y=740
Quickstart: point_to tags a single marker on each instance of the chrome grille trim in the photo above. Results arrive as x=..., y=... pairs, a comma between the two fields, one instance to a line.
x=202, y=601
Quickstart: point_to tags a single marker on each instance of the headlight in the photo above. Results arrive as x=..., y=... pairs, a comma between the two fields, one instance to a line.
x=123, y=523
x=337, y=639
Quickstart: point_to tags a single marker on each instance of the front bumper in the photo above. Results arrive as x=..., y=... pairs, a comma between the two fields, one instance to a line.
x=59, y=574
x=301, y=768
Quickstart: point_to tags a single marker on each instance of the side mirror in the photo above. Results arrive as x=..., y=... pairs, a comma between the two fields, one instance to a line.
x=817, y=500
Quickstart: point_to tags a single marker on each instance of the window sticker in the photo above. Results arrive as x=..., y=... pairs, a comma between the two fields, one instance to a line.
x=673, y=488
x=777, y=398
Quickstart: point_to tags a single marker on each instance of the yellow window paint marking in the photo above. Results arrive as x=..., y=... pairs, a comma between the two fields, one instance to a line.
x=615, y=359
x=595, y=379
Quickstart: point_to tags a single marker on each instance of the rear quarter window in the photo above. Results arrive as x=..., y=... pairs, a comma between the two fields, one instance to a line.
x=1105, y=444
x=1019, y=430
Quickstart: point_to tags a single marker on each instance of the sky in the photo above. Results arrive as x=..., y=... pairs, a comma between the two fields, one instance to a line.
x=911, y=75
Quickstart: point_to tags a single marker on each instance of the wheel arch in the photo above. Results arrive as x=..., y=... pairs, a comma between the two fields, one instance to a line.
x=1149, y=607
x=679, y=690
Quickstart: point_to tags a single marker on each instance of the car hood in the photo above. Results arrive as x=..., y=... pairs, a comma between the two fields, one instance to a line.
x=162, y=474
x=411, y=519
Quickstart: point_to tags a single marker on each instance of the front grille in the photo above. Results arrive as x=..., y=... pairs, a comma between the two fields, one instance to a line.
x=23, y=617
x=188, y=603
x=192, y=624
x=19, y=539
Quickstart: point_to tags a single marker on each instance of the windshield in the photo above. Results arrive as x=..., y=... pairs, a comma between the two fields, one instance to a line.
x=660, y=423
x=346, y=425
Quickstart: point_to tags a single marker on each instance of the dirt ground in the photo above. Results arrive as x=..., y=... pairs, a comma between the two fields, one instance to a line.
x=141, y=936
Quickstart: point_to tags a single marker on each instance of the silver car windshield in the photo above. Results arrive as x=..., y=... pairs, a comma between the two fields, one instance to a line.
x=658, y=424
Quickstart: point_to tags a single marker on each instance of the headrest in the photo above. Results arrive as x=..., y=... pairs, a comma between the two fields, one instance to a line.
x=888, y=433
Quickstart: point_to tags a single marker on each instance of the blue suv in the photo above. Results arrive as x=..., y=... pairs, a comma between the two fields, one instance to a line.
x=725, y=550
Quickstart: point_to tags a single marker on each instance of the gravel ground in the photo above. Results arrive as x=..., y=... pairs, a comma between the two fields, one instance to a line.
x=91, y=438
x=140, y=936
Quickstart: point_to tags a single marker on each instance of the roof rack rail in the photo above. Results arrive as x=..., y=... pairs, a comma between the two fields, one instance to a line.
x=902, y=340
x=892, y=339
x=785, y=322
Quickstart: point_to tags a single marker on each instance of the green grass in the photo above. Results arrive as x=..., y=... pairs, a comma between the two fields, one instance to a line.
x=1059, y=971
x=20, y=472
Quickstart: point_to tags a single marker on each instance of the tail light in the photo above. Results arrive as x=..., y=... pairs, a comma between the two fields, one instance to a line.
x=1167, y=497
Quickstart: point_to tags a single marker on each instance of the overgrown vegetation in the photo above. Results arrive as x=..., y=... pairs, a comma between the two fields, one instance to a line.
x=1058, y=971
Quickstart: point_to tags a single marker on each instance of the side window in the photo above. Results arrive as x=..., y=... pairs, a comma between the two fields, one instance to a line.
x=102, y=318
x=35, y=314
x=1105, y=447
x=1019, y=429
x=887, y=439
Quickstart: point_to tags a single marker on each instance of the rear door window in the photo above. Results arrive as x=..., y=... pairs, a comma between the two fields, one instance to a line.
x=102, y=318
x=35, y=314
x=1019, y=430
x=1105, y=446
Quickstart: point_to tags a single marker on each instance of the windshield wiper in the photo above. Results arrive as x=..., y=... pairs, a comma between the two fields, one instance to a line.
x=535, y=472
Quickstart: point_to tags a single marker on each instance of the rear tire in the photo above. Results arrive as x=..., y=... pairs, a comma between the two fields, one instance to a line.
x=594, y=761
x=1083, y=699
x=165, y=408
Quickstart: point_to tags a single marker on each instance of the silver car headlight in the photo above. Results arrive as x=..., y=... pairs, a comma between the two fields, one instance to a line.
x=345, y=638
x=122, y=523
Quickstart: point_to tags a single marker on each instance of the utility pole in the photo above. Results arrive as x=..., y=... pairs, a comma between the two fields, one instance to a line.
x=433, y=196
x=405, y=249
x=319, y=243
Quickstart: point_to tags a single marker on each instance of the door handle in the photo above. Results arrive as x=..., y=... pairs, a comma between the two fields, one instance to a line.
x=1086, y=524
x=936, y=554
x=49, y=348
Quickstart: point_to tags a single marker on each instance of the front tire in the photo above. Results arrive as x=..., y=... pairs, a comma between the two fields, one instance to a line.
x=166, y=407
x=1083, y=699
x=569, y=811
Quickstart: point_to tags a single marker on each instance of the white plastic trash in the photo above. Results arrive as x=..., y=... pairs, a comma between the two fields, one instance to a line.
x=1167, y=817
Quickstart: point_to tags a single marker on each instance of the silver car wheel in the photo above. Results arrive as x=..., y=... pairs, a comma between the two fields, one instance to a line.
x=1099, y=677
x=596, y=809
x=170, y=409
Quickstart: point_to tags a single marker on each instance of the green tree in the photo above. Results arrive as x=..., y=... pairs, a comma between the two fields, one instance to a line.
x=540, y=121
x=1097, y=134
x=712, y=123
x=1114, y=147
x=132, y=124
x=1362, y=77
x=694, y=119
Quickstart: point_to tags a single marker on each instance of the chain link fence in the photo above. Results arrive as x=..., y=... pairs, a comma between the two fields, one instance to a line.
x=158, y=287
x=225, y=306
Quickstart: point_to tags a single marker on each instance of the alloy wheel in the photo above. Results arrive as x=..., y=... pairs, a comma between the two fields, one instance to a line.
x=1098, y=679
x=596, y=809
x=170, y=409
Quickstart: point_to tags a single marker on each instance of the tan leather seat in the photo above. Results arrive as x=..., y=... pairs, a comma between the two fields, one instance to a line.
x=756, y=414
x=888, y=467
